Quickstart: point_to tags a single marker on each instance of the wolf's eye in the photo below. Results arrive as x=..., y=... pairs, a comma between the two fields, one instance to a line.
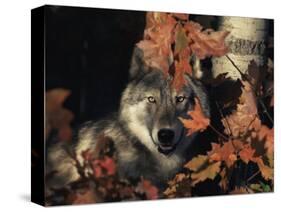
x=151, y=99
x=180, y=99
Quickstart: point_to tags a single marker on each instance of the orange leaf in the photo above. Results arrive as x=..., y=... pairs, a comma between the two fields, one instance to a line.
x=104, y=167
x=225, y=153
x=210, y=172
x=109, y=165
x=146, y=187
x=246, y=154
x=55, y=98
x=202, y=169
x=266, y=171
x=198, y=121
x=206, y=43
x=158, y=37
x=265, y=133
x=196, y=163
x=58, y=117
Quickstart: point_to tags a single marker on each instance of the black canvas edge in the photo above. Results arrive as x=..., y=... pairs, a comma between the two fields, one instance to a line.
x=37, y=105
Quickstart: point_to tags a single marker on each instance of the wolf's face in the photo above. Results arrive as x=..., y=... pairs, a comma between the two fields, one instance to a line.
x=150, y=106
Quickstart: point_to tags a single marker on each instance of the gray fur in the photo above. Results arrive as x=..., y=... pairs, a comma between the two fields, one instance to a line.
x=134, y=129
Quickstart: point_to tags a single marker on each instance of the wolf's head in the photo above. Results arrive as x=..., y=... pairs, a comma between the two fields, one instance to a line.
x=150, y=107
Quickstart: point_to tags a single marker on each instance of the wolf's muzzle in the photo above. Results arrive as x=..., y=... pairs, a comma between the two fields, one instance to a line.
x=165, y=138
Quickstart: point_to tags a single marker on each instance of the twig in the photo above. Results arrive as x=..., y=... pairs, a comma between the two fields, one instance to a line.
x=232, y=62
x=220, y=134
x=253, y=176
x=229, y=128
x=226, y=121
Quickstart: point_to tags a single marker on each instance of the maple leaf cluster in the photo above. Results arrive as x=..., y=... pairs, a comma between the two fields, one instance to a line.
x=170, y=39
x=246, y=141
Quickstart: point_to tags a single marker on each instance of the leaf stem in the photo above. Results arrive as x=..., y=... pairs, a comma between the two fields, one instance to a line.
x=220, y=134
x=226, y=121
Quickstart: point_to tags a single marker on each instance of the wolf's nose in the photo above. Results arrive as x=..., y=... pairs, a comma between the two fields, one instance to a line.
x=166, y=136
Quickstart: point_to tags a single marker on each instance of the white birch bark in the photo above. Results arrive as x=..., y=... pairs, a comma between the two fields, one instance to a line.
x=246, y=41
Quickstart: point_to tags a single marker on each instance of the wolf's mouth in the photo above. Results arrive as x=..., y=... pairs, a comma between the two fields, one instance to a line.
x=166, y=149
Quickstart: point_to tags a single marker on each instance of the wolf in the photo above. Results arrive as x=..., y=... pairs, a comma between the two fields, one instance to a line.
x=149, y=139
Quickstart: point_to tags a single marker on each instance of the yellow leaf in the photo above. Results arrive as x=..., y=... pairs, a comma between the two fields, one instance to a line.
x=210, y=172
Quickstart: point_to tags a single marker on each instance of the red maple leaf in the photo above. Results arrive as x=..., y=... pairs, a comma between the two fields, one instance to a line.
x=225, y=152
x=246, y=154
x=206, y=43
x=198, y=122
x=145, y=186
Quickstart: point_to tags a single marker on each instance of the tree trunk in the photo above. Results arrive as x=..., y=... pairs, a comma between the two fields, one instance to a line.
x=246, y=41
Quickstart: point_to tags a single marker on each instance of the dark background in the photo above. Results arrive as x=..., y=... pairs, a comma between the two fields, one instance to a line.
x=88, y=51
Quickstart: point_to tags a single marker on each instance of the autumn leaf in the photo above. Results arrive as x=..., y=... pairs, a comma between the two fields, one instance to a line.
x=153, y=55
x=170, y=192
x=241, y=190
x=196, y=163
x=104, y=167
x=246, y=154
x=224, y=180
x=198, y=121
x=109, y=165
x=145, y=186
x=84, y=197
x=158, y=37
x=266, y=171
x=179, y=186
x=226, y=153
x=256, y=74
x=202, y=169
x=206, y=43
x=245, y=116
x=170, y=39
x=181, y=63
x=181, y=41
x=58, y=117
x=210, y=172
x=55, y=98
x=267, y=134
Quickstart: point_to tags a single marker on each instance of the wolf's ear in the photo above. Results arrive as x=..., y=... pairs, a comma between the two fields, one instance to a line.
x=137, y=66
x=200, y=93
